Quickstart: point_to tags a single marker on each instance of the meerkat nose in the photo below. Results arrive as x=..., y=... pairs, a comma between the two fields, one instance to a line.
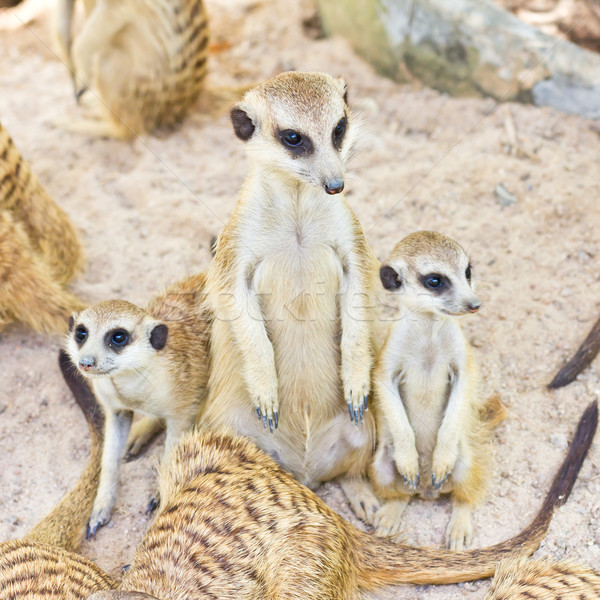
x=87, y=362
x=473, y=306
x=334, y=186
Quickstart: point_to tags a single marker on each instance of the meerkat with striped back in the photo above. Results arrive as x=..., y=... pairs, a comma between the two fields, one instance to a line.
x=433, y=425
x=144, y=62
x=39, y=248
x=152, y=360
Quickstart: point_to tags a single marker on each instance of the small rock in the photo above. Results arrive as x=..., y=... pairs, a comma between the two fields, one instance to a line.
x=3, y=408
x=558, y=440
x=13, y=520
x=505, y=198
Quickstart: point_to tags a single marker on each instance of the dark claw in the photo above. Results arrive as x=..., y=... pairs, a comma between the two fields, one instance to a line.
x=91, y=531
x=152, y=505
x=125, y=568
x=433, y=479
x=276, y=419
x=271, y=425
x=350, y=411
x=366, y=401
x=356, y=417
x=264, y=420
x=418, y=479
x=259, y=414
x=405, y=479
x=79, y=93
x=361, y=411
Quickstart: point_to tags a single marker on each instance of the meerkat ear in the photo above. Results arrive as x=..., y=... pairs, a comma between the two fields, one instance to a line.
x=243, y=125
x=389, y=278
x=343, y=87
x=158, y=336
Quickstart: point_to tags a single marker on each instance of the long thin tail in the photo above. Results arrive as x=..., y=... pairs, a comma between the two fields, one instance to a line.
x=65, y=525
x=382, y=562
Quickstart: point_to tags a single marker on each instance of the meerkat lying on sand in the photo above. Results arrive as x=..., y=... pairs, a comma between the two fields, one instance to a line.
x=290, y=288
x=229, y=520
x=39, y=249
x=433, y=427
x=151, y=360
x=144, y=60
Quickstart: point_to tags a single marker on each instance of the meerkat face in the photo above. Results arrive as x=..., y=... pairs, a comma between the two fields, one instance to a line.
x=298, y=124
x=114, y=337
x=433, y=274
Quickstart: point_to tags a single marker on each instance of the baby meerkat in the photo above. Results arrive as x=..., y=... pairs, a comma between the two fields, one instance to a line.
x=39, y=248
x=290, y=288
x=433, y=427
x=145, y=61
x=151, y=360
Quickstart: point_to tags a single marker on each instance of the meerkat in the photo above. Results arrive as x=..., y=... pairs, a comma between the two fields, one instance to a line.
x=235, y=524
x=44, y=565
x=143, y=60
x=39, y=249
x=290, y=287
x=230, y=518
x=523, y=579
x=433, y=430
x=151, y=360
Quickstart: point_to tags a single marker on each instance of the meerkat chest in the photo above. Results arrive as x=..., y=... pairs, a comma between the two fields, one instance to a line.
x=147, y=391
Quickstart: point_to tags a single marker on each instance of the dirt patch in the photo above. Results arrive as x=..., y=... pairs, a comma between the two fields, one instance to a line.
x=147, y=211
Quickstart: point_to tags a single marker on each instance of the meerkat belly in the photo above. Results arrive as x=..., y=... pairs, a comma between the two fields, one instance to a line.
x=424, y=390
x=301, y=311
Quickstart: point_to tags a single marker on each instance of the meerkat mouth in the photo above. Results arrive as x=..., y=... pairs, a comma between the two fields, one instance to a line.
x=97, y=372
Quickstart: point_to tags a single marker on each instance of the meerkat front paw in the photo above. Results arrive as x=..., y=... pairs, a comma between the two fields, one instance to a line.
x=388, y=518
x=406, y=458
x=459, y=533
x=267, y=408
x=100, y=516
x=356, y=392
x=444, y=460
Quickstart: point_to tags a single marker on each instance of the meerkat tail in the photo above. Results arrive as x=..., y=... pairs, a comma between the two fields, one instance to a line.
x=581, y=359
x=65, y=526
x=493, y=412
x=383, y=562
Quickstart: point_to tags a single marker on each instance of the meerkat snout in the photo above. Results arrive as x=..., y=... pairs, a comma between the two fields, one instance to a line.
x=334, y=186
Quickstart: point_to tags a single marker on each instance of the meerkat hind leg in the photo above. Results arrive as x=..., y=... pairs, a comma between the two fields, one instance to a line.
x=142, y=433
x=388, y=519
x=460, y=528
x=361, y=497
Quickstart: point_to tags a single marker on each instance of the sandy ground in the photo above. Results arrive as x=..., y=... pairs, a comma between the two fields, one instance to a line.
x=147, y=210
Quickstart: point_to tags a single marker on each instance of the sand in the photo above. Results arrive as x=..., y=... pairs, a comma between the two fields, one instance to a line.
x=147, y=210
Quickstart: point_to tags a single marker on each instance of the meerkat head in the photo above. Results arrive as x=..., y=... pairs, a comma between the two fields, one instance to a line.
x=433, y=274
x=298, y=124
x=114, y=336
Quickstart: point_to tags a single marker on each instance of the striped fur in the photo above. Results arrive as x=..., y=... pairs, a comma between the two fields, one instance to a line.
x=145, y=60
x=39, y=249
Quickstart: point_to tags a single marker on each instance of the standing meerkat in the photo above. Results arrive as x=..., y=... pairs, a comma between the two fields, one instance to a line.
x=229, y=519
x=290, y=287
x=39, y=249
x=433, y=428
x=152, y=360
x=144, y=60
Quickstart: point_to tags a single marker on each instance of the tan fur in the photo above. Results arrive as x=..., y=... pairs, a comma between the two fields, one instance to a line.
x=39, y=249
x=161, y=378
x=522, y=579
x=143, y=60
x=234, y=524
x=43, y=566
x=290, y=288
x=433, y=433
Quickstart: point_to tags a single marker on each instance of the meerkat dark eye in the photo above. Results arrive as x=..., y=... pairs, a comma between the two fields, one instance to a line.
x=339, y=132
x=434, y=281
x=292, y=138
x=81, y=334
x=119, y=338
x=468, y=273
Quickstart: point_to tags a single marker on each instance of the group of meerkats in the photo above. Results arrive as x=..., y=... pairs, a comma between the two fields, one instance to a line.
x=282, y=342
